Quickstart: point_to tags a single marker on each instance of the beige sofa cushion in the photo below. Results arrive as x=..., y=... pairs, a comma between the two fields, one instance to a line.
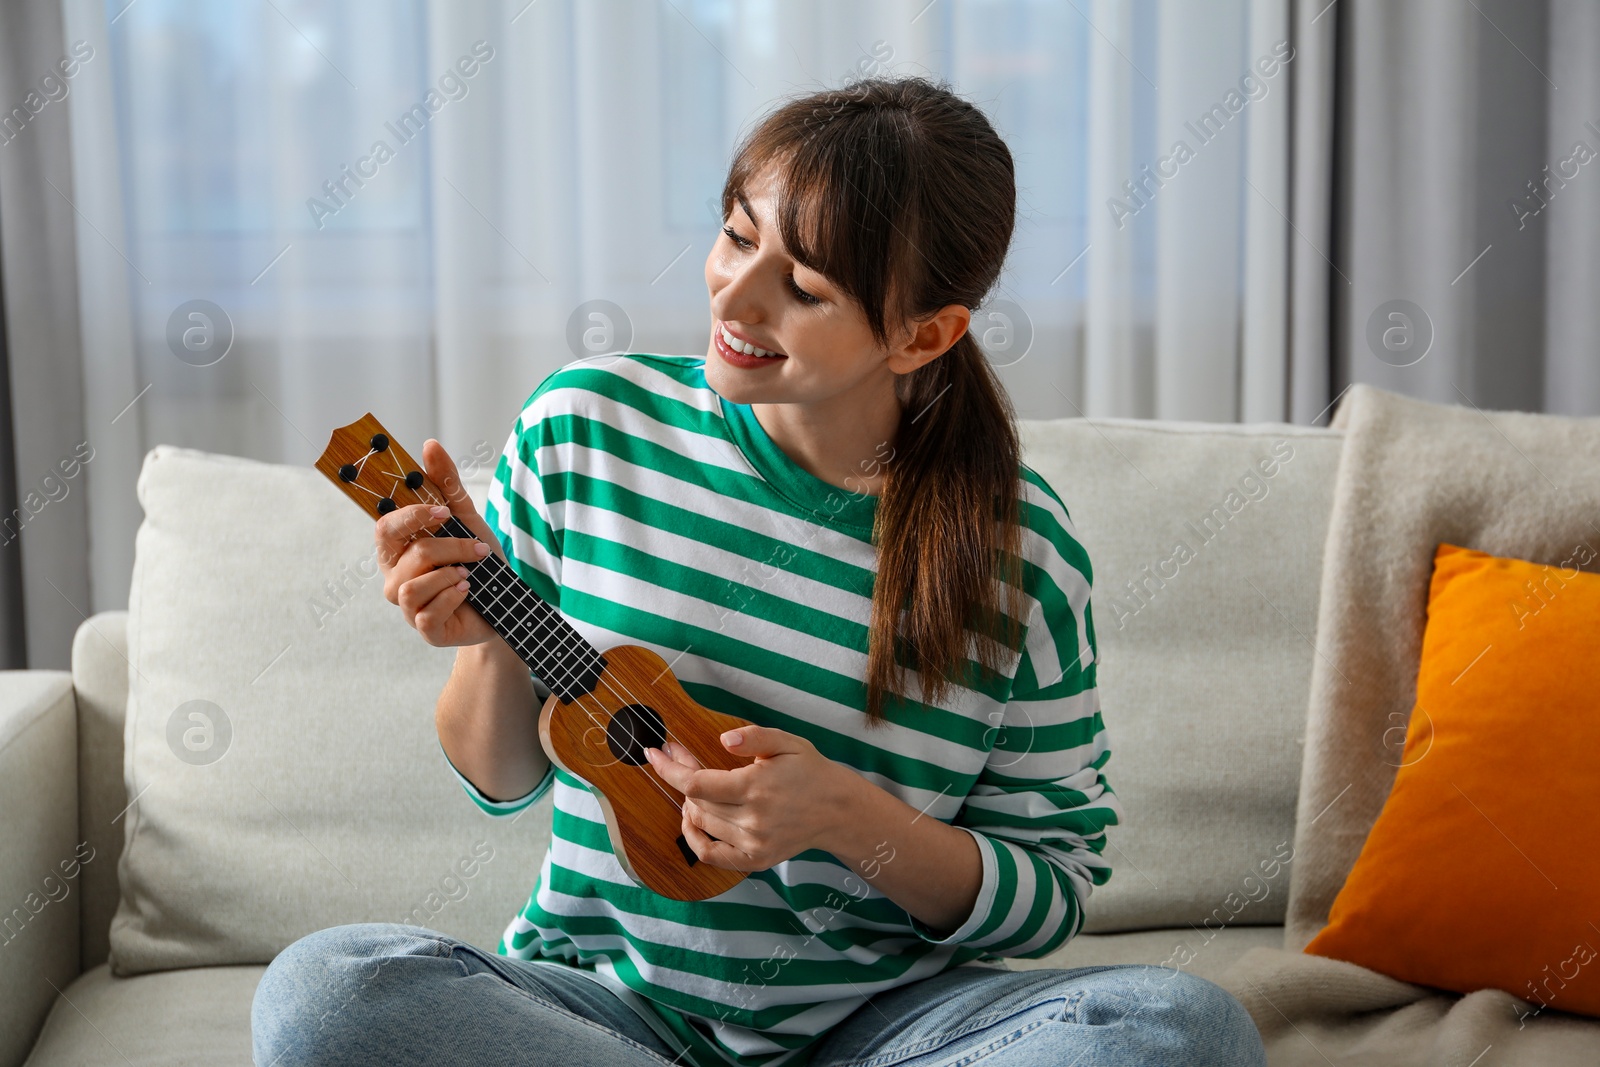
x=198, y=1017
x=332, y=801
x=1205, y=655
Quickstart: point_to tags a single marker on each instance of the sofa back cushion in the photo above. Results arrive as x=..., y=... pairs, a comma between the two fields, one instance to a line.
x=1206, y=543
x=280, y=747
x=285, y=774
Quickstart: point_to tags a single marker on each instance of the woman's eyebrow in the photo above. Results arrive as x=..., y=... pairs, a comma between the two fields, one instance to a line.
x=746, y=205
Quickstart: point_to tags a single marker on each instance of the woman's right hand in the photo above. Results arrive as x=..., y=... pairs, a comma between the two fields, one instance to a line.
x=425, y=575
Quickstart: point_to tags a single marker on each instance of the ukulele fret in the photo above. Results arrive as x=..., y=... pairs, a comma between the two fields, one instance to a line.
x=555, y=652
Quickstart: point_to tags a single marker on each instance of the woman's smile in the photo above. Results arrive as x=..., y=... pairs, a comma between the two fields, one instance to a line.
x=724, y=338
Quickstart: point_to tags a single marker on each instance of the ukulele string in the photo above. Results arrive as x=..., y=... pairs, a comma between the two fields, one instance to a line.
x=544, y=645
x=521, y=603
x=522, y=597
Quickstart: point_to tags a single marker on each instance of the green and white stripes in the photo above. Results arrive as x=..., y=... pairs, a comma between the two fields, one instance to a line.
x=652, y=512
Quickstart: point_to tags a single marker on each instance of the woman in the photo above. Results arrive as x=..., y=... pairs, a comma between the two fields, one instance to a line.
x=825, y=526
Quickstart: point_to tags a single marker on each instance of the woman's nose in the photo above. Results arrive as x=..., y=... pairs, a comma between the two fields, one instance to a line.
x=737, y=300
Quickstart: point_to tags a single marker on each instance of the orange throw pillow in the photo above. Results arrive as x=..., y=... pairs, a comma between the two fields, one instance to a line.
x=1483, y=869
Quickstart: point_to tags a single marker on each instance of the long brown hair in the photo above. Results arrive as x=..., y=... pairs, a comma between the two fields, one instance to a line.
x=902, y=194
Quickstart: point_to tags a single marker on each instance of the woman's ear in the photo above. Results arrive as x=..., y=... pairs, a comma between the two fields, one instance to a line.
x=930, y=338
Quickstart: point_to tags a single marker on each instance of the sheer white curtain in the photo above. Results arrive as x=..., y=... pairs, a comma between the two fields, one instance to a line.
x=1188, y=158
x=549, y=187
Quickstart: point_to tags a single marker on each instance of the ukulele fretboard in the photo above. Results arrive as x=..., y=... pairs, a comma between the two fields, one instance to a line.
x=546, y=642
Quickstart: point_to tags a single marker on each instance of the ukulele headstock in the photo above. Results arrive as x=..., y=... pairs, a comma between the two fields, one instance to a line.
x=364, y=461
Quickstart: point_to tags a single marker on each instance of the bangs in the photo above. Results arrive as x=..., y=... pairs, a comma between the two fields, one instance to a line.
x=842, y=178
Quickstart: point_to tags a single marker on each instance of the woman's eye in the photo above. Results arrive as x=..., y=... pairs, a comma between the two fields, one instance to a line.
x=805, y=297
x=800, y=294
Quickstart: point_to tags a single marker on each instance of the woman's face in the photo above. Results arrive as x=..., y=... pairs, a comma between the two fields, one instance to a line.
x=759, y=294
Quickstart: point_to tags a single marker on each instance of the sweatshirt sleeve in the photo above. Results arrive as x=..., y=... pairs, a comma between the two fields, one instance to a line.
x=501, y=807
x=1039, y=808
x=518, y=509
x=524, y=507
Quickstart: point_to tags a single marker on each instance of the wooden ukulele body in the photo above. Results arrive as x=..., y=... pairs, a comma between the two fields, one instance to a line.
x=601, y=739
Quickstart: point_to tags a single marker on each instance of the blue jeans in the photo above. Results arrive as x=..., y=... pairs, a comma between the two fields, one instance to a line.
x=386, y=993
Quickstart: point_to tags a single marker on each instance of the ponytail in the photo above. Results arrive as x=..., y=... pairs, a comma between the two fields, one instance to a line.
x=947, y=532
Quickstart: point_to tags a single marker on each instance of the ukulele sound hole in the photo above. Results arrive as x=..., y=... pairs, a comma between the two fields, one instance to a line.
x=632, y=729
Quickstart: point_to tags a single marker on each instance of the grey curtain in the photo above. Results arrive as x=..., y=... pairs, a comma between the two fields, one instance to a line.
x=1314, y=27
x=13, y=635
x=44, y=521
x=1467, y=195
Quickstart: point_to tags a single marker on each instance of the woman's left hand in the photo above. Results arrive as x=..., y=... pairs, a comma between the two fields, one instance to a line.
x=792, y=798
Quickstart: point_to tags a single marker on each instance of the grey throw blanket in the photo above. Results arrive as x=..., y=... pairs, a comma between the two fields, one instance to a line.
x=1412, y=474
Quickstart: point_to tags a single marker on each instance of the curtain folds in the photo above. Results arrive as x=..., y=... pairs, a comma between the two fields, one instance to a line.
x=44, y=531
x=1572, y=274
x=421, y=209
x=1312, y=276
x=1189, y=150
x=1470, y=189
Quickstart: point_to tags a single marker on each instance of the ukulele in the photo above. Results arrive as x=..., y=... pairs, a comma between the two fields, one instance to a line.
x=603, y=711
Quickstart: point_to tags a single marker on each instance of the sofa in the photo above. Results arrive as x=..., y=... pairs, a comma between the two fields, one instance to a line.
x=247, y=753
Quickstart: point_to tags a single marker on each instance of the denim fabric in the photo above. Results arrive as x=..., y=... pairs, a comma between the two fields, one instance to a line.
x=387, y=993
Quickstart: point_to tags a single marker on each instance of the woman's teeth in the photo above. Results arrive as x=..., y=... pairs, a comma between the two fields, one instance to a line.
x=744, y=346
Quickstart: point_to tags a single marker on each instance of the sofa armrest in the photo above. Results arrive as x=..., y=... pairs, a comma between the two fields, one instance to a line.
x=39, y=862
x=100, y=681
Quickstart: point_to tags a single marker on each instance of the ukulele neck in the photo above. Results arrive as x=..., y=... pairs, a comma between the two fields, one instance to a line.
x=555, y=652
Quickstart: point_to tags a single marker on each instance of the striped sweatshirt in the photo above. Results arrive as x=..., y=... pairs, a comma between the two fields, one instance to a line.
x=651, y=511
